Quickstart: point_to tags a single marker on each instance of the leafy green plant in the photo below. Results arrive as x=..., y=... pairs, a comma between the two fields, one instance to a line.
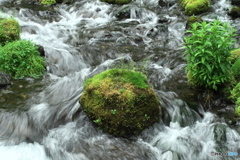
x=9, y=30
x=208, y=47
x=235, y=93
x=21, y=58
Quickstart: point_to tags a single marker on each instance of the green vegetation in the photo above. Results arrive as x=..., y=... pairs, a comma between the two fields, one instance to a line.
x=127, y=76
x=48, y=2
x=235, y=93
x=120, y=102
x=193, y=7
x=208, y=50
x=117, y=1
x=235, y=96
x=237, y=110
x=21, y=58
x=193, y=19
x=236, y=69
x=9, y=30
x=235, y=55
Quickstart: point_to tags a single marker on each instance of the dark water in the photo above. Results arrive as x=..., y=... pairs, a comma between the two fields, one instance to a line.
x=42, y=120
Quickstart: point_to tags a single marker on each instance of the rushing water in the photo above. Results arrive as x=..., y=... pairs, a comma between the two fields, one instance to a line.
x=42, y=119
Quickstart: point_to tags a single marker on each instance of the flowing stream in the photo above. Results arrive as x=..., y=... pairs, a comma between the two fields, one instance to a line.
x=41, y=119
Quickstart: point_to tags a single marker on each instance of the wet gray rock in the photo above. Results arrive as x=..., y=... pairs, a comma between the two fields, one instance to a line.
x=4, y=79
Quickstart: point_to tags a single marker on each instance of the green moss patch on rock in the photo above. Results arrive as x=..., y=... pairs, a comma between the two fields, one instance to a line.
x=120, y=102
x=234, y=12
x=9, y=30
x=117, y=1
x=194, y=7
x=48, y=2
x=235, y=55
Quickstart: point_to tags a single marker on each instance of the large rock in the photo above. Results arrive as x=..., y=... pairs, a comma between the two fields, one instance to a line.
x=120, y=102
x=194, y=7
x=4, y=79
x=234, y=12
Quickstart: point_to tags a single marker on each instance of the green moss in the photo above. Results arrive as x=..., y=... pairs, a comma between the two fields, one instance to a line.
x=9, y=30
x=235, y=55
x=119, y=104
x=117, y=1
x=48, y=2
x=193, y=7
x=21, y=58
x=234, y=12
x=122, y=75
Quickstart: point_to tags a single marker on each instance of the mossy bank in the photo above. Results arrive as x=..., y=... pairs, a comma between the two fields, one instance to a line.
x=120, y=102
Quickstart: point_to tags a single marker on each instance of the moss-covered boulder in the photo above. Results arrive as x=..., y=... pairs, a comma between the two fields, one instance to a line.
x=235, y=55
x=116, y=1
x=48, y=2
x=234, y=12
x=194, y=7
x=9, y=30
x=120, y=102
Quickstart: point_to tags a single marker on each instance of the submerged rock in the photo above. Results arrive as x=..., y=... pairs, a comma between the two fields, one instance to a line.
x=116, y=1
x=120, y=102
x=4, y=79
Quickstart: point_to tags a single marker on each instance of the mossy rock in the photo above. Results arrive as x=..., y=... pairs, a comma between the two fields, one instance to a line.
x=9, y=30
x=120, y=102
x=194, y=7
x=235, y=55
x=48, y=2
x=234, y=12
x=193, y=19
x=117, y=1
